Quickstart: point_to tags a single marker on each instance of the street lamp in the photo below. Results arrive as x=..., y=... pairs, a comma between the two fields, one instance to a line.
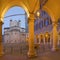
x=37, y=14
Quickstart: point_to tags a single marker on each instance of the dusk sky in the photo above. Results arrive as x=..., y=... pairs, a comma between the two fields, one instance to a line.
x=12, y=11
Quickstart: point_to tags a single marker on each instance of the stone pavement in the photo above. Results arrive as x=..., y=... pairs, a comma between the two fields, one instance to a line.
x=41, y=56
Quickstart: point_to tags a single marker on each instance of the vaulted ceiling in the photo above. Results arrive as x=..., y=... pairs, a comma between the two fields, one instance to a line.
x=52, y=7
x=30, y=5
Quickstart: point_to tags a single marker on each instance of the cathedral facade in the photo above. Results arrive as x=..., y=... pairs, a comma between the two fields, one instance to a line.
x=43, y=29
x=14, y=33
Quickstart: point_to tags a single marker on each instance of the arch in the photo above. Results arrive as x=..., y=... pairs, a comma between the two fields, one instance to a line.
x=41, y=38
x=47, y=37
x=50, y=13
x=12, y=4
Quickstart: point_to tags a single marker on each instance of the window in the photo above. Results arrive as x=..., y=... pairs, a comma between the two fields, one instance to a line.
x=46, y=22
x=37, y=26
x=40, y=25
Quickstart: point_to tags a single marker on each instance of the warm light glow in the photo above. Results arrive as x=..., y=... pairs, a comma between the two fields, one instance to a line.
x=46, y=35
x=38, y=13
x=28, y=15
x=1, y=19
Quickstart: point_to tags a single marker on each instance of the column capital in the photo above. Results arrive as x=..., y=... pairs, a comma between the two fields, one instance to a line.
x=31, y=17
x=1, y=22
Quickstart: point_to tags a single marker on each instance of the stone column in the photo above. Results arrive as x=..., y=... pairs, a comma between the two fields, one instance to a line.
x=50, y=39
x=55, y=36
x=58, y=39
x=39, y=38
x=49, y=21
x=44, y=39
x=31, y=52
x=1, y=47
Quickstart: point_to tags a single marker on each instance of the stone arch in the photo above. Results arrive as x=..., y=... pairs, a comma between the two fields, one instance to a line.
x=41, y=38
x=47, y=37
x=50, y=13
x=54, y=17
x=12, y=4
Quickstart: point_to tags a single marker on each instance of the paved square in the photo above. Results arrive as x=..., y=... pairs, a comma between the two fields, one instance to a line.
x=41, y=56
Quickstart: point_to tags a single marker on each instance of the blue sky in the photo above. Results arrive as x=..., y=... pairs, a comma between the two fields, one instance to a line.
x=12, y=11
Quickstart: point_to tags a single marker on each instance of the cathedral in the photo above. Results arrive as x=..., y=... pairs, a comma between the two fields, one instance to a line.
x=14, y=33
x=43, y=29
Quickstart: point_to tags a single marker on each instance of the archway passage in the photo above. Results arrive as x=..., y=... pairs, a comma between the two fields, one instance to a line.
x=27, y=7
x=41, y=41
x=53, y=10
x=45, y=26
x=14, y=33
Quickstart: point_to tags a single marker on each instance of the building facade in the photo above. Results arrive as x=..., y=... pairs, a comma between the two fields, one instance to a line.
x=14, y=33
x=43, y=29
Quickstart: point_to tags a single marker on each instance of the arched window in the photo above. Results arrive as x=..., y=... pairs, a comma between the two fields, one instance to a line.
x=47, y=22
x=41, y=24
x=35, y=27
x=44, y=22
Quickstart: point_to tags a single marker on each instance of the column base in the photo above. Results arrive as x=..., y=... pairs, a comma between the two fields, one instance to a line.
x=31, y=55
x=55, y=49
